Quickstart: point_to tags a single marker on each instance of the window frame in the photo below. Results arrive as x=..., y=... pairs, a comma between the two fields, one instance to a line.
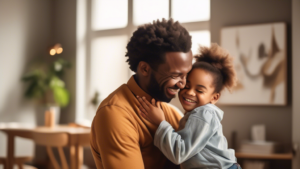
x=90, y=35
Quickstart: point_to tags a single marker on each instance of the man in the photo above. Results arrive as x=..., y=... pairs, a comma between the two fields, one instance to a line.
x=160, y=55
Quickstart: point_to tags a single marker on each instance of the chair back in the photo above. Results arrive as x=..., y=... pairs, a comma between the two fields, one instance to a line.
x=51, y=139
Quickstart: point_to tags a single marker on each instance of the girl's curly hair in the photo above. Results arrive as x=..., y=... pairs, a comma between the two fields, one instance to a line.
x=219, y=62
x=150, y=42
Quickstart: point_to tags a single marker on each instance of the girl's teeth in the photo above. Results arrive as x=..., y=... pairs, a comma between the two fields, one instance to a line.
x=189, y=100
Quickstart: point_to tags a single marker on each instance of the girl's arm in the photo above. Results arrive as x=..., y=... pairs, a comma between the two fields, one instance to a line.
x=184, y=144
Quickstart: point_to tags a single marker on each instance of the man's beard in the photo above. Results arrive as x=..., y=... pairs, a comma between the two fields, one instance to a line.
x=156, y=91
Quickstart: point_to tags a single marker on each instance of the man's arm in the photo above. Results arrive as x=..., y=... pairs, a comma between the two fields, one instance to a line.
x=114, y=135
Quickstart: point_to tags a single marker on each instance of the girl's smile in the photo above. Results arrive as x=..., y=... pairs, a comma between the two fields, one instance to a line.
x=199, y=90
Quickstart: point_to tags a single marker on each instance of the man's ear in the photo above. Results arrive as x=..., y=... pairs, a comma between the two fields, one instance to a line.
x=215, y=98
x=144, y=68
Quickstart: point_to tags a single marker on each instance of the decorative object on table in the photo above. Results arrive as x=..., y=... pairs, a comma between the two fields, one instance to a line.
x=45, y=84
x=260, y=147
x=260, y=59
x=258, y=133
x=50, y=118
x=258, y=144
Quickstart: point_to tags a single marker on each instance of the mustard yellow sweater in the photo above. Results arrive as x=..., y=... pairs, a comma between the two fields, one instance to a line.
x=120, y=138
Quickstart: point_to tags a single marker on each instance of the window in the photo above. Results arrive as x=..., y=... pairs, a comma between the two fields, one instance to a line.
x=109, y=14
x=103, y=30
x=190, y=10
x=145, y=11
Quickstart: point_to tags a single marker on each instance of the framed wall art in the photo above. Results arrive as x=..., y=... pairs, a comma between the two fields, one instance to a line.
x=260, y=60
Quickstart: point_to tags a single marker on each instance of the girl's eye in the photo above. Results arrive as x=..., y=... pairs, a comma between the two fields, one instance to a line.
x=199, y=91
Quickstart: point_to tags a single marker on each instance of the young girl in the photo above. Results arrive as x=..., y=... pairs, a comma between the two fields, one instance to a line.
x=199, y=141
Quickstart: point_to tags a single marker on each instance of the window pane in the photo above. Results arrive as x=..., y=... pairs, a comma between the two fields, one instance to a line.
x=145, y=11
x=109, y=68
x=109, y=14
x=191, y=10
x=199, y=38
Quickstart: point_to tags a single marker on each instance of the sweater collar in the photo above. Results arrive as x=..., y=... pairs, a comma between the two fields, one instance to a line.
x=136, y=89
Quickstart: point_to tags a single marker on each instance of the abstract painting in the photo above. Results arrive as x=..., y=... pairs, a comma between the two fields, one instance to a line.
x=260, y=60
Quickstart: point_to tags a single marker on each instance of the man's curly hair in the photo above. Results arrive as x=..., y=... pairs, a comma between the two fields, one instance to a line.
x=150, y=42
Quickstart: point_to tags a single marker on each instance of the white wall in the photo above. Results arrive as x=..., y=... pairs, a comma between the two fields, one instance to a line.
x=25, y=29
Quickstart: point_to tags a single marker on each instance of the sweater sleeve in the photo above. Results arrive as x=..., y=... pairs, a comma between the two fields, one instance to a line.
x=184, y=144
x=114, y=140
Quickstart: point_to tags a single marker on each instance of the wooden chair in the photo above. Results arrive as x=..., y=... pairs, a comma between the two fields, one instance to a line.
x=19, y=163
x=53, y=140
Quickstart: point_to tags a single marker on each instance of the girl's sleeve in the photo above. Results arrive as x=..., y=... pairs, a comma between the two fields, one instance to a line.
x=184, y=144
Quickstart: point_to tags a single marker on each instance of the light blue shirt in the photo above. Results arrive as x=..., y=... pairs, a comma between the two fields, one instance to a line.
x=200, y=144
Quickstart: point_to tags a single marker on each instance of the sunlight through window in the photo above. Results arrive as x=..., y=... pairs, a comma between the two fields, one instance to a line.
x=109, y=14
x=199, y=38
x=145, y=11
x=191, y=10
x=109, y=68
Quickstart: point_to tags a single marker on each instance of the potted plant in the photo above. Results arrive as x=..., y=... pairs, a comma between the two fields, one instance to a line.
x=46, y=87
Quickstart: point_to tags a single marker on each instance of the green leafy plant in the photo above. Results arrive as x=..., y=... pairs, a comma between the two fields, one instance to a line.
x=45, y=84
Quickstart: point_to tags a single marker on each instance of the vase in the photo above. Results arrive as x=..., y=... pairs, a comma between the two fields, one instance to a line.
x=56, y=110
x=41, y=111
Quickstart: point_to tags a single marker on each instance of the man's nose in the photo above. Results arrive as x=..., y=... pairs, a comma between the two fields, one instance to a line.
x=181, y=83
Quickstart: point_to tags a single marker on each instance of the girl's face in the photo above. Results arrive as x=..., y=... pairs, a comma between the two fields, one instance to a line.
x=199, y=90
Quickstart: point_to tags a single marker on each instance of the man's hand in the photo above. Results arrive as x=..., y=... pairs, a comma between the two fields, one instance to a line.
x=152, y=112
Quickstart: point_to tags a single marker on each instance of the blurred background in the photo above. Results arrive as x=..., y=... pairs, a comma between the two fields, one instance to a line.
x=71, y=54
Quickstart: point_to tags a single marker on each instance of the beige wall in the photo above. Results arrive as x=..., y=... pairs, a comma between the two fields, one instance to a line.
x=24, y=35
x=27, y=29
x=296, y=78
x=240, y=118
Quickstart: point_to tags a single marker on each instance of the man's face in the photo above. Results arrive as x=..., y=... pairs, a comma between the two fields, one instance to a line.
x=170, y=76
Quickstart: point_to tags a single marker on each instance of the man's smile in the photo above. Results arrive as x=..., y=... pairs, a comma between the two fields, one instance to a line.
x=172, y=91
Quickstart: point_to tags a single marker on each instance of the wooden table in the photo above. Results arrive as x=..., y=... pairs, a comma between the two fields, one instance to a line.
x=278, y=156
x=78, y=137
x=278, y=160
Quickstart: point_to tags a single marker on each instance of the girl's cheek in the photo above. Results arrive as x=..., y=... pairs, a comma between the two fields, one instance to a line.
x=180, y=92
